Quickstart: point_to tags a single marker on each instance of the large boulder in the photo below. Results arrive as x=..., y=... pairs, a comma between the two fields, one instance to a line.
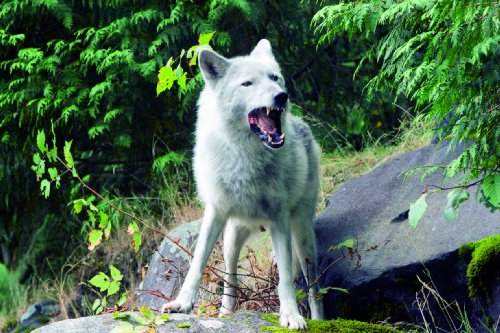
x=382, y=281
x=169, y=266
x=243, y=321
x=240, y=322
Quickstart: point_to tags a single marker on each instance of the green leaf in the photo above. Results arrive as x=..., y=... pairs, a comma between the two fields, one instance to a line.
x=194, y=59
x=184, y=325
x=324, y=291
x=121, y=315
x=52, y=173
x=137, y=241
x=96, y=304
x=182, y=81
x=491, y=189
x=95, y=238
x=113, y=288
x=123, y=299
x=348, y=243
x=107, y=231
x=146, y=312
x=165, y=316
x=101, y=281
x=132, y=227
x=417, y=211
x=40, y=169
x=166, y=79
x=45, y=188
x=103, y=219
x=115, y=273
x=138, y=318
x=78, y=205
x=40, y=141
x=455, y=198
x=67, y=154
x=300, y=295
x=52, y=154
x=36, y=158
x=91, y=216
x=205, y=38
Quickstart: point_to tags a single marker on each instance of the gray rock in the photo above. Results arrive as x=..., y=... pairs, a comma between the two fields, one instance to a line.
x=245, y=321
x=373, y=209
x=169, y=266
x=37, y=315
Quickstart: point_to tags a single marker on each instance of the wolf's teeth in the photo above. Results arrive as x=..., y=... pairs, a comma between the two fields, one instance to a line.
x=268, y=110
x=282, y=136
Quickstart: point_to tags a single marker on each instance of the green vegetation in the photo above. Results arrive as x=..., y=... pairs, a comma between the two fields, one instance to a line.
x=484, y=257
x=85, y=90
x=12, y=294
x=445, y=56
x=337, y=325
x=143, y=321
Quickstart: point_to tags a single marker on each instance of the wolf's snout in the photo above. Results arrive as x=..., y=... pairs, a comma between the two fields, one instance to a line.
x=280, y=99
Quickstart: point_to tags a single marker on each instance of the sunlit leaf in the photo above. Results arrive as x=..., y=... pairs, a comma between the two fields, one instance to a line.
x=491, y=189
x=67, y=154
x=95, y=238
x=45, y=188
x=115, y=273
x=417, y=210
x=40, y=141
x=146, y=312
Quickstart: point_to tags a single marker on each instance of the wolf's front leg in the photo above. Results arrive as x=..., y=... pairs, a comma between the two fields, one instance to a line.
x=282, y=244
x=211, y=227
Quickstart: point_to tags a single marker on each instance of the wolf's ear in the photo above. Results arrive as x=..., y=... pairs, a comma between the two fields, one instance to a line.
x=213, y=66
x=263, y=50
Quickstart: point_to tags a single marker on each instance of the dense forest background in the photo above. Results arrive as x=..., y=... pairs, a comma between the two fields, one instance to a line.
x=86, y=72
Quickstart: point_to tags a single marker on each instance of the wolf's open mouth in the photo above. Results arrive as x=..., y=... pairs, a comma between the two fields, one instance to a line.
x=266, y=123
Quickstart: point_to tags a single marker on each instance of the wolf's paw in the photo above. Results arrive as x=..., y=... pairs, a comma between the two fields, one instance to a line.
x=228, y=303
x=177, y=306
x=293, y=321
x=223, y=311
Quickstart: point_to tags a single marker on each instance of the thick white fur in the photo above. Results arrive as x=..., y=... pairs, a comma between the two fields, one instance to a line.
x=245, y=184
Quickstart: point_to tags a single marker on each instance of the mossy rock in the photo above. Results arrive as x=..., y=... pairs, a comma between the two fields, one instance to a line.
x=484, y=256
x=336, y=325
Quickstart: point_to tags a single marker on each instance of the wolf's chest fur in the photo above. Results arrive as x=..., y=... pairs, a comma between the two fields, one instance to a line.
x=251, y=179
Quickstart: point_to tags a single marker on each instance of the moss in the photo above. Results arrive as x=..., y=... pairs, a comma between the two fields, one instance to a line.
x=184, y=325
x=484, y=256
x=337, y=325
x=43, y=320
x=23, y=329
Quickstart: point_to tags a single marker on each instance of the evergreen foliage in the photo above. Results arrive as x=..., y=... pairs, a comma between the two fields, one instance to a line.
x=85, y=72
x=445, y=56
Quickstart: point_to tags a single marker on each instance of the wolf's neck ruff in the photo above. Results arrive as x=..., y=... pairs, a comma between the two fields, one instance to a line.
x=266, y=124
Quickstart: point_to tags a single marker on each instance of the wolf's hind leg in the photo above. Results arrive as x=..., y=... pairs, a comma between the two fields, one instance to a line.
x=235, y=236
x=304, y=243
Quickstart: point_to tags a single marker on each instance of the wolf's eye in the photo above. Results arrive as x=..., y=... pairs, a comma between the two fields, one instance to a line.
x=246, y=83
x=274, y=77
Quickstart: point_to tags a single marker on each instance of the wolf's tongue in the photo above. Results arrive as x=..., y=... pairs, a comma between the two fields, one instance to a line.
x=266, y=123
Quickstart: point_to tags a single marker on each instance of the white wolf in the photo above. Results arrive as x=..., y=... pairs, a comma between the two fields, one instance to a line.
x=247, y=176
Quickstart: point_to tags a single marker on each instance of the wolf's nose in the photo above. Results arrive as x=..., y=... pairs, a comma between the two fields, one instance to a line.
x=280, y=99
